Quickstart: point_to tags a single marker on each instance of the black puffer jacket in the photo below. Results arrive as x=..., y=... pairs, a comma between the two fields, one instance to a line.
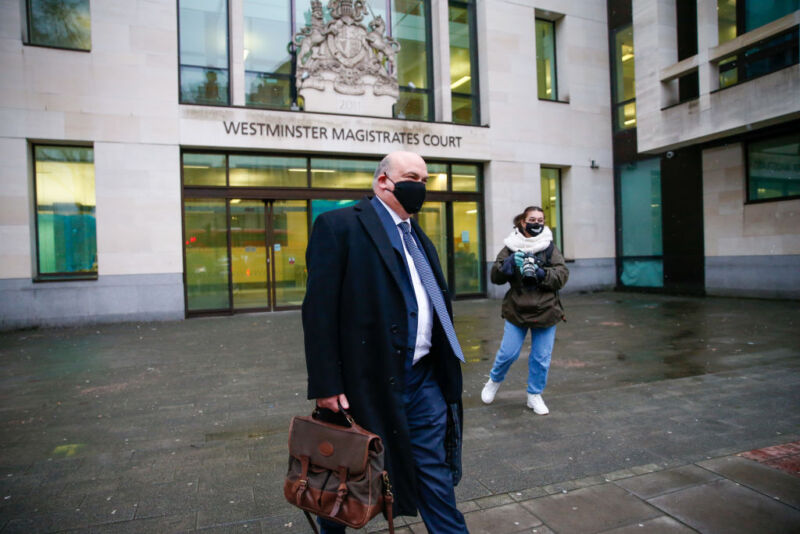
x=533, y=305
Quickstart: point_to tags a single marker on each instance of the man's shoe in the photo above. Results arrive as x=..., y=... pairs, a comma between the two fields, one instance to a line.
x=536, y=403
x=489, y=391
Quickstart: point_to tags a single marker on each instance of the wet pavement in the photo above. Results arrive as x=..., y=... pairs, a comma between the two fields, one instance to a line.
x=181, y=426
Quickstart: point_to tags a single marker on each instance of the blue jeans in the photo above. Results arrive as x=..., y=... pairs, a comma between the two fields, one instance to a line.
x=542, y=340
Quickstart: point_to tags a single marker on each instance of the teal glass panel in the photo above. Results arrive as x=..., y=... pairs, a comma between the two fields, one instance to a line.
x=65, y=210
x=206, y=250
x=773, y=167
x=640, y=203
x=546, y=59
x=60, y=23
x=760, y=12
x=204, y=52
x=320, y=206
x=268, y=91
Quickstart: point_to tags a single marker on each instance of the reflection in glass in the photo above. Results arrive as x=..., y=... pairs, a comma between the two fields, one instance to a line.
x=626, y=116
x=203, y=169
x=320, y=206
x=204, y=52
x=410, y=28
x=290, y=238
x=437, y=177
x=640, y=200
x=342, y=173
x=466, y=248
x=773, y=167
x=551, y=202
x=465, y=178
x=624, y=73
x=546, y=59
x=267, y=171
x=462, y=50
x=267, y=62
x=65, y=210
x=206, y=254
x=60, y=23
x=726, y=20
x=759, y=13
x=433, y=220
x=249, y=254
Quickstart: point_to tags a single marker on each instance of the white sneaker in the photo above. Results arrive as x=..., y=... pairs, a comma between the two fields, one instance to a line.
x=489, y=391
x=536, y=403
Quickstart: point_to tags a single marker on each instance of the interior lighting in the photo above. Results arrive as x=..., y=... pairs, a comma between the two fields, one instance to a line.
x=246, y=53
x=627, y=57
x=321, y=170
x=629, y=122
x=471, y=212
x=297, y=170
x=196, y=167
x=460, y=81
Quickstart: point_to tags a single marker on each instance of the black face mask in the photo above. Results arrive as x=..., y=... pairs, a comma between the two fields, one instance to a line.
x=534, y=229
x=410, y=194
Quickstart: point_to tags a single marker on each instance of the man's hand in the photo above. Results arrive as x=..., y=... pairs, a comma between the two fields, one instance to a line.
x=332, y=403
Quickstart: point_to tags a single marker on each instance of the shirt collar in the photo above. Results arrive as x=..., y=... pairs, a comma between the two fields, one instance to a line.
x=395, y=217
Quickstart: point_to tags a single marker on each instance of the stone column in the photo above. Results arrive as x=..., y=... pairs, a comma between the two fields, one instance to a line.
x=236, y=44
x=707, y=37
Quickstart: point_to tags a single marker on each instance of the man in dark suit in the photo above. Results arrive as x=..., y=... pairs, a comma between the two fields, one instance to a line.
x=379, y=339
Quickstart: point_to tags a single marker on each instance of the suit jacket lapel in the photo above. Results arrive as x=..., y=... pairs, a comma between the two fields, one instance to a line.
x=374, y=227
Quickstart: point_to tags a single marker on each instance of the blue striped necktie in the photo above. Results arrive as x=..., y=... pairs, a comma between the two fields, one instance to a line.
x=432, y=288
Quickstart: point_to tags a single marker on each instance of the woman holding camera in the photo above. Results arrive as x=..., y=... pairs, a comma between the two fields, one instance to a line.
x=535, y=268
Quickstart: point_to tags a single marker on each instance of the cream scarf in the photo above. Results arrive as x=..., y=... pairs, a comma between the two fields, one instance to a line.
x=517, y=241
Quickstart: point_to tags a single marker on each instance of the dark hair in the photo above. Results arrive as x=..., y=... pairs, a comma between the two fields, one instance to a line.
x=524, y=215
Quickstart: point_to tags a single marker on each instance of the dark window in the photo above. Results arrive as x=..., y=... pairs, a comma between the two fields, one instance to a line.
x=689, y=84
x=463, y=63
x=60, y=24
x=773, y=168
x=66, y=242
x=203, y=28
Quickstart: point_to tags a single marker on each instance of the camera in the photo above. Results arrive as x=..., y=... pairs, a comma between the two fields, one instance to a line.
x=528, y=268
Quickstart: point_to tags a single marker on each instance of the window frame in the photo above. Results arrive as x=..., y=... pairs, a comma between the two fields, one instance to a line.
x=555, y=63
x=28, y=41
x=560, y=211
x=474, y=95
x=746, y=149
x=38, y=276
x=617, y=106
x=229, y=89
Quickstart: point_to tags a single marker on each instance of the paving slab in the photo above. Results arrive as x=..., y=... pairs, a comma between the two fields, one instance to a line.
x=667, y=481
x=505, y=519
x=659, y=525
x=723, y=506
x=590, y=510
x=762, y=478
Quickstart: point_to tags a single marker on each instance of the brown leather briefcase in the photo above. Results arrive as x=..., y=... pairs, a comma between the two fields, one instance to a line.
x=336, y=472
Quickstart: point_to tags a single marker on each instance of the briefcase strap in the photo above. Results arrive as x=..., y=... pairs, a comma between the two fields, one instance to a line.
x=388, y=500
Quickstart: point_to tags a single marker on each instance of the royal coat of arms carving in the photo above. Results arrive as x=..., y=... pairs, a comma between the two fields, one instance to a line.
x=345, y=57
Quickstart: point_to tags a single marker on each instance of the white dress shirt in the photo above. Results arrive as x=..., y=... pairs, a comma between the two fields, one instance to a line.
x=424, y=307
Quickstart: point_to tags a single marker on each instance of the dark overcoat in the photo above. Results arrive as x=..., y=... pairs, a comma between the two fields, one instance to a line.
x=356, y=320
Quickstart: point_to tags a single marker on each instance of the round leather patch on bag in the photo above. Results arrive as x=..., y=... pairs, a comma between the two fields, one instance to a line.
x=326, y=448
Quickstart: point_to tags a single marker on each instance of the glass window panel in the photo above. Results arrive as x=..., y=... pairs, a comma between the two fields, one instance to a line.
x=624, y=73
x=626, y=116
x=249, y=254
x=411, y=105
x=464, y=109
x=465, y=178
x=65, y=210
x=433, y=220
x=773, y=167
x=204, y=86
x=551, y=202
x=726, y=20
x=268, y=91
x=267, y=32
x=318, y=207
x=642, y=273
x=204, y=51
x=437, y=177
x=758, y=13
x=466, y=248
x=290, y=231
x=728, y=72
x=302, y=13
x=60, y=23
x=343, y=173
x=640, y=185
x=204, y=169
x=267, y=171
x=773, y=55
x=460, y=59
x=546, y=59
x=206, y=247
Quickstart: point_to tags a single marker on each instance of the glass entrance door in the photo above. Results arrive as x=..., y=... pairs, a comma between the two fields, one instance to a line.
x=263, y=241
